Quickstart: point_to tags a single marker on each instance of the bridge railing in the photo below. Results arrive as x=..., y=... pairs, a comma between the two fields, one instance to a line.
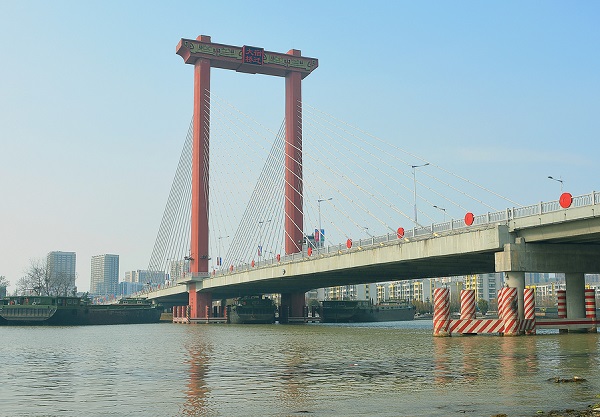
x=421, y=232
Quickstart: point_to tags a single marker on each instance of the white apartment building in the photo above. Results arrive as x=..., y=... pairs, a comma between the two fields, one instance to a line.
x=61, y=267
x=105, y=275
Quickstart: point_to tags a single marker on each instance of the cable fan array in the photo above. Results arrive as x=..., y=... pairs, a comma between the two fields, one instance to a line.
x=354, y=185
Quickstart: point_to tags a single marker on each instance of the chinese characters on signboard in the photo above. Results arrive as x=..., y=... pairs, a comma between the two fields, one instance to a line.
x=252, y=55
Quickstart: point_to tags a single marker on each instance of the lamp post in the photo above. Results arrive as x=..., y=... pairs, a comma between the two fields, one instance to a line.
x=219, y=256
x=415, y=186
x=260, y=223
x=442, y=209
x=557, y=180
x=319, y=201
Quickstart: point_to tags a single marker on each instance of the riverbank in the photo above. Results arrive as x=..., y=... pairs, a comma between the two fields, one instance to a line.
x=592, y=411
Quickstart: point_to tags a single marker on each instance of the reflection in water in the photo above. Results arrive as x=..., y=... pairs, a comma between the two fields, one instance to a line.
x=196, y=401
x=394, y=369
x=441, y=360
x=296, y=357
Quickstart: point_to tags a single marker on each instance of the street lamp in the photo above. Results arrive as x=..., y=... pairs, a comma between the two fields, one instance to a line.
x=558, y=180
x=442, y=209
x=219, y=258
x=260, y=223
x=319, y=201
x=415, y=186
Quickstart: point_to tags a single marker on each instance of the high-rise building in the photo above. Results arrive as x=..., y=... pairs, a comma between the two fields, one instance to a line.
x=144, y=277
x=61, y=271
x=105, y=275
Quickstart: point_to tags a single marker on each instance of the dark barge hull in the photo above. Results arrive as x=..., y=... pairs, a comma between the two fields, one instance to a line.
x=78, y=315
x=365, y=312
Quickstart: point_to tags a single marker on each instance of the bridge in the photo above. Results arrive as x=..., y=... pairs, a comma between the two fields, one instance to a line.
x=557, y=236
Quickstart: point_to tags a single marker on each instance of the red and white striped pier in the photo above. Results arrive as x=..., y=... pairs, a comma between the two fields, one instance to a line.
x=508, y=322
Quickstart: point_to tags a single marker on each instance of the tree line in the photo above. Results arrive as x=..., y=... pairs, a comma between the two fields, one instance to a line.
x=38, y=280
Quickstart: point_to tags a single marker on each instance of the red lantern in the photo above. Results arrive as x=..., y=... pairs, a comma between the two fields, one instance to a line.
x=309, y=251
x=252, y=263
x=349, y=243
x=469, y=219
x=566, y=199
x=400, y=232
x=278, y=257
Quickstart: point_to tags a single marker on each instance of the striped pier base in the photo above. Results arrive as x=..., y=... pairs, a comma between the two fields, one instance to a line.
x=590, y=306
x=528, y=324
x=507, y=309
x=476, y=326
x=441, y=312
x=561, y=301
x=467, y=304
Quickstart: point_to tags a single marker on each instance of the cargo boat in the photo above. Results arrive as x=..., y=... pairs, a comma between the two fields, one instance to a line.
x=251, y=310
x=365, y=312
x=74, y=311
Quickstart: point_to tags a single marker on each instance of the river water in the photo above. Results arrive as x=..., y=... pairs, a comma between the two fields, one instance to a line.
x=384, y=369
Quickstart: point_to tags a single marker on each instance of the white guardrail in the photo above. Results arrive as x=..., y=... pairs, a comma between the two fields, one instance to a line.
x=419, y=233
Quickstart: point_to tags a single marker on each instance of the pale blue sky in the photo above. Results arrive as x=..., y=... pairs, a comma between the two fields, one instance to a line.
x=95, y=105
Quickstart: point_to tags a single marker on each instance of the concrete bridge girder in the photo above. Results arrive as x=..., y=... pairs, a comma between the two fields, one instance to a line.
x=466, y=252
x=575, y=225
x=548, y=257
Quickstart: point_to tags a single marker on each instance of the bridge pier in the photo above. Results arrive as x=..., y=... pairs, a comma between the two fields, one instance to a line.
x=516, y=279
x=575, y=286
x=292, y=307
x=200, y=303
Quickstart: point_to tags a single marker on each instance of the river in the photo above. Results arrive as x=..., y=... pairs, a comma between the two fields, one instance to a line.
x=384, y=369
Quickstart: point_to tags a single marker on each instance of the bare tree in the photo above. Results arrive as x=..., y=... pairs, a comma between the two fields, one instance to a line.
x=3, y=285
x=61, y=283
x=40, y=280
x=36, y=279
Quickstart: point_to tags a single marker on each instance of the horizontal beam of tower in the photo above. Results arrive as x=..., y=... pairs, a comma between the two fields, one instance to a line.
x=246, y=59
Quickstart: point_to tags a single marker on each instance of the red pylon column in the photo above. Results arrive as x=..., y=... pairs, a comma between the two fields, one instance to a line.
x=294, y=224
x=293, y=161
x=200, y=185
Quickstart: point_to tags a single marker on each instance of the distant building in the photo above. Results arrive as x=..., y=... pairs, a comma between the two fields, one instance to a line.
x=351, y=292
x=144, y=277
x=105, y=275
x=128, y=288
x=61, y=268
x=178, y=269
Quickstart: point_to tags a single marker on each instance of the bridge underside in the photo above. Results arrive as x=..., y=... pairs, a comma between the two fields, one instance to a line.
x=548, y=243
x=467, y=264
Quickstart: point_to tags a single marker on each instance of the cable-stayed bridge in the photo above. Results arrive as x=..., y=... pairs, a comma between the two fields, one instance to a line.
x=318, y=202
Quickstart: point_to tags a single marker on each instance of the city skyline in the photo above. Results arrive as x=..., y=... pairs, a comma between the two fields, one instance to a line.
x=504, y=94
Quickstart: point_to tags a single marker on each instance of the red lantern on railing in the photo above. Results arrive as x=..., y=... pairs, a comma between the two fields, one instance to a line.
x=566, y=199
x=400, y=232
x=349, y=243
x=469, y=219
x=309, y=251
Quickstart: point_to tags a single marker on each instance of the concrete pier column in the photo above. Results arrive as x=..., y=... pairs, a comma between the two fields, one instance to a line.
x=467, y=304
x=516, y=279
x=293, y=304
x=529, y=303
x=199, y=302
x=441, y=312
x=575, y=295
x=508, y=311
x=590, y=307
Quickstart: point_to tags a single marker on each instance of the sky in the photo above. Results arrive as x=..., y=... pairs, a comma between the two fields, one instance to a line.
x=95, y=104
